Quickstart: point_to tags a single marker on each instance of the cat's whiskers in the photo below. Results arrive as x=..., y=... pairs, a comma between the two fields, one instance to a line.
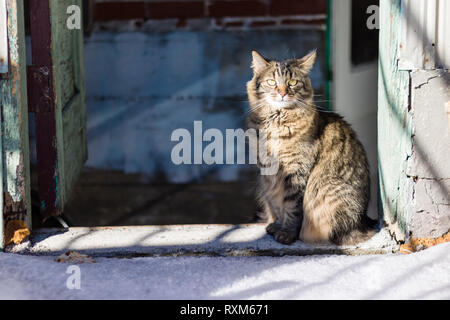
x=252, y=109
x=259, y=105
x=312, y=107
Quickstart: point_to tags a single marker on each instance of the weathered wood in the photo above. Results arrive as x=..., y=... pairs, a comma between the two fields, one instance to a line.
x=75, y=145
x=60, y=125
x=412, y=128
x=74, y=116
x=3, y=38
x=15, y=193
x=46, y=143
x=62, y=52
x=394, y=122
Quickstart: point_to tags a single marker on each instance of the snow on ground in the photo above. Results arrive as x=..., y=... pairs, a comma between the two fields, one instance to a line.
x=423, y=275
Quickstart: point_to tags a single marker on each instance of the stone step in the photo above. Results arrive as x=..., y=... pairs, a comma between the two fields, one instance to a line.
x=178, y=240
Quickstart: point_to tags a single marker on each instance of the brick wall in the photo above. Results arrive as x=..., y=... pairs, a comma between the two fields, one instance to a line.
x=220, y=13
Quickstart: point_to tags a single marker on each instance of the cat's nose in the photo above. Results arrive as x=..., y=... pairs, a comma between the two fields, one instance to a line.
x=282, y=92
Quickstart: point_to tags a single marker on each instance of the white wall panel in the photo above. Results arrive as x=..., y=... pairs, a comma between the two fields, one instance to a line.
x=425, y=35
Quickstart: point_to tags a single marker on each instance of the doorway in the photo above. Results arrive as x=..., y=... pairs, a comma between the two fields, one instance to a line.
x=149, y=73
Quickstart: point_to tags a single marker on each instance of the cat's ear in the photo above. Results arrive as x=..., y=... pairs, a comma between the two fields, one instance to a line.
x=307, y=62
x=258, y=63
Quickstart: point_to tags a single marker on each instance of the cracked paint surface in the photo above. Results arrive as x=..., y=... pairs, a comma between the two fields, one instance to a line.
x=428, y=167
x=14, y=125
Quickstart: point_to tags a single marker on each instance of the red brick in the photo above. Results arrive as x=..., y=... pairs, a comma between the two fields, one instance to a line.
x=297, y=7
x=172, y=9
x=262, y=23
x=303, y=22
x=181, y=23
x=234, y=24
x=241, y=8
x=106, y=11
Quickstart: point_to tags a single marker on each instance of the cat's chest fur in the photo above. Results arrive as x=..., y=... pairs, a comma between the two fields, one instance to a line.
x=293, y=136
x=283, y=125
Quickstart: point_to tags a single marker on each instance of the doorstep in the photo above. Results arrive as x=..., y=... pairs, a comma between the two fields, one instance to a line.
x=179, y=240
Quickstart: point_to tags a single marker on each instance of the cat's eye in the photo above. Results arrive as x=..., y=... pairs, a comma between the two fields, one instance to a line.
x=271, y=82
x=292, y=82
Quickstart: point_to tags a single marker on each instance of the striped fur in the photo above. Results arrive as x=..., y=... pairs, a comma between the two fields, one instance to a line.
x=321, y=190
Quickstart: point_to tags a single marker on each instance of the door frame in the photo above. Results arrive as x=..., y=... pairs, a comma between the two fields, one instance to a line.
x=15, y=199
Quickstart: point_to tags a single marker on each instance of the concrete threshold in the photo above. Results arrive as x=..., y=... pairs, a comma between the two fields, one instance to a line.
x=179, y=240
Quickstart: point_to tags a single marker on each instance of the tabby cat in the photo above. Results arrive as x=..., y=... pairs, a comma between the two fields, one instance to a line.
x=320, y=192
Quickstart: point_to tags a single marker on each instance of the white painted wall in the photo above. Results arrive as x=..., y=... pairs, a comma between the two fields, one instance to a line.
x=354, y=91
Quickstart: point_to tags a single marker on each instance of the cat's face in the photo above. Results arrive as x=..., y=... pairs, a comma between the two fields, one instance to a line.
x=283, y=84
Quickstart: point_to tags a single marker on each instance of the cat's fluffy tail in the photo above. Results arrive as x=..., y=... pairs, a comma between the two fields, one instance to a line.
x=262, y=217
x=364, y=233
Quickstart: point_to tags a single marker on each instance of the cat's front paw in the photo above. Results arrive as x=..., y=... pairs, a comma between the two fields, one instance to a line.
x=272, y=228
x=285, y=236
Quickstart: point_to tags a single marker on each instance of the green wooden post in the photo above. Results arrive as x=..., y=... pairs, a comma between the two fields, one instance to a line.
x=15, y=193
x=71, y=110
x=394, y=122
x=61, y=145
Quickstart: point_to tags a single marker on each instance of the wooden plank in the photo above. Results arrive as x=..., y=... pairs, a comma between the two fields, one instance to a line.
x=74, y=116
x=62, y=49
x=394, y=123
x=71, y=109
x=14, y=141
x=74, y=132
x=3, y=38
x=49, y=173
x=61, y=123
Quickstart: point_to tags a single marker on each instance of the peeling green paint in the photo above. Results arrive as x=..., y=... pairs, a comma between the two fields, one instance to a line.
x=14, y=139
x=394, y=122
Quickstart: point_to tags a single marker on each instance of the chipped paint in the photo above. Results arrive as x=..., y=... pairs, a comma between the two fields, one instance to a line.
x=394, y=123
x=3, y=38
x=428, y=166
x=13, y=161
x=57, y=69
x=15, y=144
x=413, y=156
x=418, y=244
